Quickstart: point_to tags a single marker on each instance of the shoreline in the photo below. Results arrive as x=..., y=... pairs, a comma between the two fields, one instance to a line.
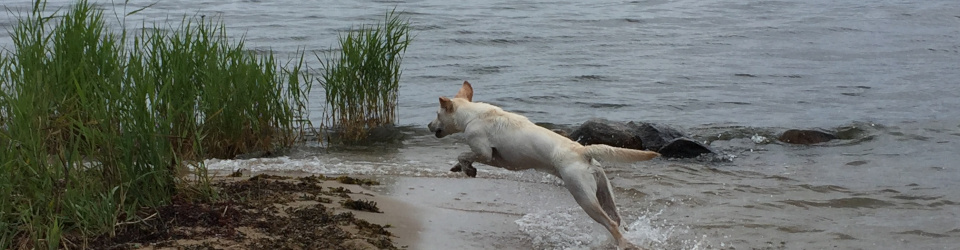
x=302, y=210
x=432, y=213
x=458, y=212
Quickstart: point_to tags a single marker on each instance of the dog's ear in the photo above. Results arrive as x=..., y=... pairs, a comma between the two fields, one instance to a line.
x=466, y=92
x=446, y=104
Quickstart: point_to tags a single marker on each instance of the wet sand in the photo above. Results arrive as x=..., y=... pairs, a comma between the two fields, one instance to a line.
x=465, y=213
x=479, y=213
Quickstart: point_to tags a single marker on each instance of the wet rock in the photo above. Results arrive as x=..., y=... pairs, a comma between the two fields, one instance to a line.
x=561, y=132
x=600, y=131
x=684, y=148
x=669, y=142
x=805, y=137
x=655, y=136
x=556, y=128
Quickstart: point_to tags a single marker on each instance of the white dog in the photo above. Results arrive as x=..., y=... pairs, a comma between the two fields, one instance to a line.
x=510, y=141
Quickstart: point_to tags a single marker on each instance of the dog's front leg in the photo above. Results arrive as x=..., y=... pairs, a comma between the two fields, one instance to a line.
x=465, y=164
x=483, y=151
x=480, y=151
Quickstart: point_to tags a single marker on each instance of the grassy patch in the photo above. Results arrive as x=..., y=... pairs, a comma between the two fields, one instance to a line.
x=361, y=81
x=97, y=124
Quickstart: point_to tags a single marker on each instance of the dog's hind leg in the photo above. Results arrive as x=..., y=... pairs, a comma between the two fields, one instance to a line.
x=591, y=189
x=605, y=194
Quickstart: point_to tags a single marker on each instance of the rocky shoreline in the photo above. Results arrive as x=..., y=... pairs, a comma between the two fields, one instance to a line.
x=671, y=142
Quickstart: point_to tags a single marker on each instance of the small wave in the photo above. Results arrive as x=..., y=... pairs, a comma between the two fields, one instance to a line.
x=496, y=41
x=482, y=70
x=916, y=197
x=598, y=105
x=825, y=188
x=924, y=234
x=857, y=202
x=591, y=78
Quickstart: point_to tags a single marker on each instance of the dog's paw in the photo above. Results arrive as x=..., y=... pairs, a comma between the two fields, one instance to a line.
x=471, y=171
x=466, y=167
x=463, y=165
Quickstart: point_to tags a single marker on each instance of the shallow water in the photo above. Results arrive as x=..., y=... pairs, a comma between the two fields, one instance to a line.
x=721, y=70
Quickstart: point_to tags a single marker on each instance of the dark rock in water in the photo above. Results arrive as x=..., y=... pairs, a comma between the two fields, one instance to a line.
x=561, y=132
x=684, y=148
x=806, y=137
x=655, y=136
x=600, y=131
x=669, y=142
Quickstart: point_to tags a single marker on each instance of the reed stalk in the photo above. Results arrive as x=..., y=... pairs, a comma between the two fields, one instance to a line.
x=361, y=82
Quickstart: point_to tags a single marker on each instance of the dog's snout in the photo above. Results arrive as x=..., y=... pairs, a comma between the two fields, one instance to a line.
x=436, y=129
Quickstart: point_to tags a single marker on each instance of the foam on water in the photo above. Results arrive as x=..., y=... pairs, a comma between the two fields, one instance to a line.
x=338, y=166
x=317, y=165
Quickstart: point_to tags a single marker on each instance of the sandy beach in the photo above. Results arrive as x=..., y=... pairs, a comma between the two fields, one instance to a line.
x=459, y=213
x=417, y=213
x=286, y=210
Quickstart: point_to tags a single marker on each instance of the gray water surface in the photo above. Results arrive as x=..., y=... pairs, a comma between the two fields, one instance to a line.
x=717, y=69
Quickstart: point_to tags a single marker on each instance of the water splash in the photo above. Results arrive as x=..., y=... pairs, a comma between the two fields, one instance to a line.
x=643, y=231
x=569, y=228
x=562, y=229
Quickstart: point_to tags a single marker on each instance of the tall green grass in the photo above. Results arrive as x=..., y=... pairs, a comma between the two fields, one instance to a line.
x=361, y=81
x=239, y=101
x=96, y=125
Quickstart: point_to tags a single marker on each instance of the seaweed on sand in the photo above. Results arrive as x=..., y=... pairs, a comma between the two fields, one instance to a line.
x=260, y=212
x=361, y=205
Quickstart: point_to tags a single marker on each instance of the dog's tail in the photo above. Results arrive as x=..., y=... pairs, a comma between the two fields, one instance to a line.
x=614, y=154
